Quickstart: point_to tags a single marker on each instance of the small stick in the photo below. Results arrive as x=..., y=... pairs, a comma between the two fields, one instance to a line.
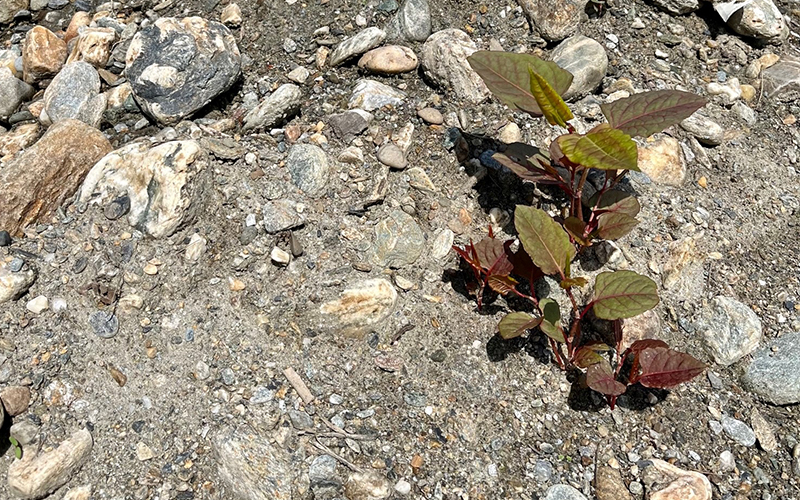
x=299, y=385
x=330, y=452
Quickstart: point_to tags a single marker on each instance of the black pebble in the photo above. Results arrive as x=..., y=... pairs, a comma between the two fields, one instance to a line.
x=5, y=239
x=117, y=208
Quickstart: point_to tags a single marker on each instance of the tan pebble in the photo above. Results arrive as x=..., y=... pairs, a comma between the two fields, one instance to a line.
x=231, y=15
x=431, y=115
x=79, y=20
x=748, y=92
x=768, y=60
x=151, y=269
x=120, y=378
x=790, y=120
x=702, y=182
x=151, y=352
x=15, y=399
x=391, y=59
x=235, y=284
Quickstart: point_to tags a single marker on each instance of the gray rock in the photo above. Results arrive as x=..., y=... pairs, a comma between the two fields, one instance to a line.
x=774, y=374
x=357, y=45
x=177, y=66
x=399, y=240
x=24, y=431
x=370, y=95
x=563, y=492
x=104, y=324
x=782, y=80
x=167, y=184
x=586, y=59
x=745, y=113
x=431, y=115
x=738, y=431
x=731, y=330
x=704, y=129
x=391, y=155
x=280, y=215
x=14, y=283
x=346, y=126
x=308, y=164
x=411, y=23
x=322, y=472
x=74, y=93
x=677, y=7
x=275, y=108
x=250, y=467
x=760, y=19
x=444, y=60
x=301, y=420
x=554, y=20
x=13, y=92
x=10, y=7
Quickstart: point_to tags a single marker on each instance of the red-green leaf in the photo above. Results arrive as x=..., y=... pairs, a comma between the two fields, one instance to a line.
x=602, y=147
x=641, y=345
x=501, y=284
x=600, y=378
x=515, y=324
x=616, y=201
x=650, y=112
x=589, y=354
x=613, y=226
x=551, y=320
x=575, y=227
x=525, y=171
x=506, y=75
x=664, y=368
x=623, y=294
x=551, y=104
x=544, y=239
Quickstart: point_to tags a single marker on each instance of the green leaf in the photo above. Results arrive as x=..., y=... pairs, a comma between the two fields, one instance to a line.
x=623, y=294
x=506, y=75
x=664, y=368
x=550, y=103
x=551, y=320
x=516, y=323
x=575, y=227
x=602, y=147
x=613, y=226
x=17, y=447
x=544, y=239
x=589, y=354
x=570, y=282
x=600, y=378
x=650, y=112
x=616, y=201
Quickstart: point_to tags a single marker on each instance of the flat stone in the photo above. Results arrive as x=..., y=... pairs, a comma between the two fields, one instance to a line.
x=357, y=44
x=389, y=60
x=298, y=75
x=275, y=108
x=662, y=162
x=682, y=274
x=760, y=19
x=782, y=80
x=301, y=420
x=361, y=306
x=280, y=215
x=608, y=484
x=738, y=431
x=763, y=431
x=586, y=59
x=563, y=492
x=93, y=46
x=431, y=115
x=14, y=284
x=370, y=95
x=39, y=179
x=177, y=66
x=346, y=126
x=731, y=330
x=252, y=468
x=38, y=304
x=392, y=156
x=418, y=179
x=669, y=482
x=36, y=476
x=442, y=244
x=352, y=155
x=367, y=486
x=774, y=373
x=444, y=60
x=309, y=167
x=399, y=240
x=677, y=7
x=554, y=20
x=104, y=324
x=10, y=7
x=167, y=184
x=74, y=93
x=704, y=129
x=411, y=23
x=13, y=92
x=43, y=54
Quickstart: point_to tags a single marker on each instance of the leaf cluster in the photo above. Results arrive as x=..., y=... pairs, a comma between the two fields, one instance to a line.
x=548, y=244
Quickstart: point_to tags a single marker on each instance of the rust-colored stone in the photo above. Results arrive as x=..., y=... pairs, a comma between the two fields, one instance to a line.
x=43, y=54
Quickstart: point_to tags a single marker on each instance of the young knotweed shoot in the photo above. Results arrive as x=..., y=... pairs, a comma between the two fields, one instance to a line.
x=548, y=244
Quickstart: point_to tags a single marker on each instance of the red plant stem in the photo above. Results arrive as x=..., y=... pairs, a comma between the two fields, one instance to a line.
x=579, y=193
x=557, y=353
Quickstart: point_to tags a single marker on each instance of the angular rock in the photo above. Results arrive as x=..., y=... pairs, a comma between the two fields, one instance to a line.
x=93, y=46
x=704, y=129
x=586, y=59
x=352, y=155
x=554, y=20
x=280, y=215
x=608, y=484
x=677, y=7
x=14, y=284
x=563, y=492
x=252, y=468
x=731, y=330
x=24, y=431
x=683, y=270
x=444, y=60
x=392, y=156
x=166, y=184
x=15, y=399
x=322, y=474
x=782, y=80
x=662, y=162
x=399, y=240
x=349, y=124
x=275, y=108
x=356, y=45
x=36, y=476
x=309, y=167
x=672, y=483
x=231, y=15
x=177, y=66
x=298, y=75
x=74, y=93
x=760, y=19
x=367, y=486
x=419, y=179
x=389, y=60
x=10, y=7
x=43, y=54
x=362, y=306
x=738, y=431
x=774, y=373
x=39, y=179
x=411, y=23
x=370, y=95
x=79, y=20
x=763, y=431
x=13, y=92
x=79, y=493
x=17, y=139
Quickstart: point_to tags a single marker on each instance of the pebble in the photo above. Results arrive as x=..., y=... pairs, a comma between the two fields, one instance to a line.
x=745, y=113
x=662, y=162
x=298, y=75
x=24, y=431
x=727, y=462
x=402, y=487
x=738, y=431
x=15, y=399
x=275, y=108
x=352, y=155
x=782, y=79
x=399, y=241
x=171, y=80
x=231, y=15
x=74, y=93
x=14, y=284
x=431, y=115
x=586, y=59
x=442, y=244
x=322, y=472
x=349, y=124
x=608, y=484
x=280, y=215
x=280, y=257
x=5, y=239
x=774, y=373
x=370, y=95
x=80, y=492
x=104, y=324
x=731, y=330
x=760, y=19
x=563, y=492
x=367, y=485
x=444, y=60
x=678, y=7
x=250, y=466
x=196, y=248
x=262, y=395
x=38, y=304
x=683, y=485
x=704, y=129
x=362, y=305
x=411, y=23
x=732, y=89
x=418, y=179
x=389, y=60
x=301, y=420
x=13, y=92
x=763, y=431
x=510, y=133
x=43, y=54
x=228, y=377
x=143, y=452
x=356, y=45
x=391, y=155
x=309, y=167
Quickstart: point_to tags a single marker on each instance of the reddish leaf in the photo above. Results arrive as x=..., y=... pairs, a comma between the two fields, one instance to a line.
x=600, y=378
x=641, y=345
x=575, y=227
x=664, y=368
x=469, y=256
x=544, y=239
x=525, y=171
x=501, y=284
x=613, y=226
x=516, y=323
x=650, y=112
x=589, y=354
x=616, y=201
x=524, y=266
x=489, y=250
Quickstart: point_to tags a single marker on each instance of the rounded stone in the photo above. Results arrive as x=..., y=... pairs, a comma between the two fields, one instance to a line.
x=431, y=115
x=391, y=155
x=391, y=59
x=586, y=59
x=309, y=166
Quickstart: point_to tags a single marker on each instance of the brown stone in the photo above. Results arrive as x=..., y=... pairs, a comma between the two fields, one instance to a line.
x=43, y=54
x=662, y=161
x=93, y=46
x=38, y=180
x=78, y=21
x=391, y=59
x=15, y=399
x=608, y=484
x=18, y=139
